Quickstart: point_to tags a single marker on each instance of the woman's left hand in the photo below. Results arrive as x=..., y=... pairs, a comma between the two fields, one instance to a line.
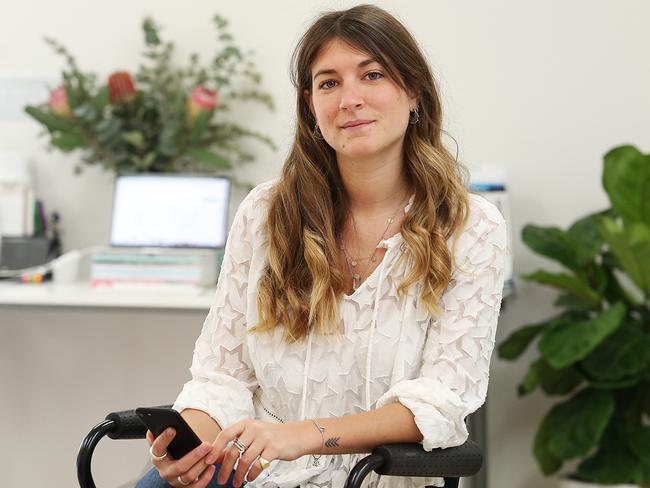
x=263, y=440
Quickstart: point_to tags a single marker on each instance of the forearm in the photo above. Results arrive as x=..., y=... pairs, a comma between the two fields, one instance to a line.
x=362, y=432
x=205, y=426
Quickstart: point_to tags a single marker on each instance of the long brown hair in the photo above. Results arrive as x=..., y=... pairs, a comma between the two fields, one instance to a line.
x=303, y=282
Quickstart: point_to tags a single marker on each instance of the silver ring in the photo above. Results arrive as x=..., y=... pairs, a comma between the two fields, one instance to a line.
x=240, y=447
x=183, y=482
x=248, y=471
x=157, y=458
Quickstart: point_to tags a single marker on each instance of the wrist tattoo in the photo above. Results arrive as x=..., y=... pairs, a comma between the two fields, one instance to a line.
x=332, y=442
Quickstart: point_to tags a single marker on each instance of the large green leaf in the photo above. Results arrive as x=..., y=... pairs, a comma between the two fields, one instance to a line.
x=548, y=462
x=553, y=381
x=558, y=381
x=624, y=353
x=576, y=285
x=531, y=380
x=626, y=178
x=553, y=243
x=586, y=236
x=569, y=341
x=630, y=425
x=611, y=464
x=631, y=245
x=574, y=427
x=574, y=302
x=519, y=340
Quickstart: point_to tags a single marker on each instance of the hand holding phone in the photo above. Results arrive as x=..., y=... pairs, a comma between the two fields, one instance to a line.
x=159, y=419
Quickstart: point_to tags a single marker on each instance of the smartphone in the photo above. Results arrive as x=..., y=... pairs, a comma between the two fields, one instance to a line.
x=158, y=419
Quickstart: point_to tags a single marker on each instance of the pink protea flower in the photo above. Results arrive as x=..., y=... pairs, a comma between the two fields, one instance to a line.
x=121, y=87
x=58, y=103
x=201, y=100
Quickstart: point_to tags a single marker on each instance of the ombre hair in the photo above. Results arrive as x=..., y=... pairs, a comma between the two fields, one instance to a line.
x=304, y=279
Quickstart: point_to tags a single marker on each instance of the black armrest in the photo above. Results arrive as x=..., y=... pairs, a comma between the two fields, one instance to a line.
x=127, y=425
x=413, y=460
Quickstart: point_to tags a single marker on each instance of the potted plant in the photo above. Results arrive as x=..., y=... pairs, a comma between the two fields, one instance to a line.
x=595, y=353
x=165, y=119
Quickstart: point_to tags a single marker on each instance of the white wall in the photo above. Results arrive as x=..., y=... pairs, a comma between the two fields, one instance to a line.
x=543, y=88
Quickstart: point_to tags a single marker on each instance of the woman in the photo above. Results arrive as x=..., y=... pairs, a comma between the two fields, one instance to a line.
x=359, y=294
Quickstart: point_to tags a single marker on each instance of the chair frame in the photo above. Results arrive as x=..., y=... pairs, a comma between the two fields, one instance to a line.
x=390, y=460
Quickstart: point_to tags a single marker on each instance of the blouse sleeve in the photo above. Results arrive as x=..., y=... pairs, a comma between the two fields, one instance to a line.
x=455, y=364
x=223, y=379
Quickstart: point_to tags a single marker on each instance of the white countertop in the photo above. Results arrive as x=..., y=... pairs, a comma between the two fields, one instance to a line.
x=83, y=295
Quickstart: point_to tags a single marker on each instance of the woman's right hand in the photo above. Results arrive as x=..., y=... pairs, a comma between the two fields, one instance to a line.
x=190, y=470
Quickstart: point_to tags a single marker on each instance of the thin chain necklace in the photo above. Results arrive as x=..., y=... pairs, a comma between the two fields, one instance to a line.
x=353, y=263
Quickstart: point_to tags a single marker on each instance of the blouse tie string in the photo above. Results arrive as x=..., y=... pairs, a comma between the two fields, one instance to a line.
x=373, y=325
x=305, y=373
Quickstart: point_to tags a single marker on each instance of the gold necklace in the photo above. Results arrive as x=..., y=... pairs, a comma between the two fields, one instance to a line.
x=352, y=263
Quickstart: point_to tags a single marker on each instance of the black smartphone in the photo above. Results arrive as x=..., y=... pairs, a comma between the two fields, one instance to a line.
x=158, y=419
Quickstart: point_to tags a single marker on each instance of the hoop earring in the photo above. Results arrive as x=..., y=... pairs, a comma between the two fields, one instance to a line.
x=414, y=116
x=317, y=133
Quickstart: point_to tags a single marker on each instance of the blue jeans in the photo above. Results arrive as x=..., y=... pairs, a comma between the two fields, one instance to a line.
x=153, y=480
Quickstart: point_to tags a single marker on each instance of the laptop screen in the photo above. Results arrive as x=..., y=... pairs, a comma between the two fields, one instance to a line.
x=170, y=211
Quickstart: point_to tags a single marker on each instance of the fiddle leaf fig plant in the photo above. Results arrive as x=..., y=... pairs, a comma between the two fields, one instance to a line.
x=594, y=354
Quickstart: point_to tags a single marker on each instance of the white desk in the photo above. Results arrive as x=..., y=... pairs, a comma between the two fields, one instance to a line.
x=82, y=295
x=69, y=355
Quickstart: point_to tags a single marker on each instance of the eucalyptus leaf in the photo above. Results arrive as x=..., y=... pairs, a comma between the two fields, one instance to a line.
x=68, y=141
x=199, y=126
x=208, y=157
x=101, y=99
x=135, y=138
x=52, y=122
x=569, y=341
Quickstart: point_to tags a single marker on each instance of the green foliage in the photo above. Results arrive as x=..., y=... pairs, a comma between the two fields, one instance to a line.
x=570, y=341
x=572, y=428
x=601, y=338
x=153, y=131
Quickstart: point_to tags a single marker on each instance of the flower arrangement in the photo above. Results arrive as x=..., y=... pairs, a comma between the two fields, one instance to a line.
x=163, y=119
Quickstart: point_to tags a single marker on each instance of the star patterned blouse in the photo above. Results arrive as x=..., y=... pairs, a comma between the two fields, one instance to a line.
x=390, y=349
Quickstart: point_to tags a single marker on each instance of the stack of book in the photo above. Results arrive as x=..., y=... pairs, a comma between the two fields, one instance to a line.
x=118, y=267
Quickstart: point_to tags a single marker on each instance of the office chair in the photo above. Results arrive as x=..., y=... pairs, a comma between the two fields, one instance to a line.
x=388, y=460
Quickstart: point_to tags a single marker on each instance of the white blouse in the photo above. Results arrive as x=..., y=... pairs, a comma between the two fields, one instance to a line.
x=390, y=349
